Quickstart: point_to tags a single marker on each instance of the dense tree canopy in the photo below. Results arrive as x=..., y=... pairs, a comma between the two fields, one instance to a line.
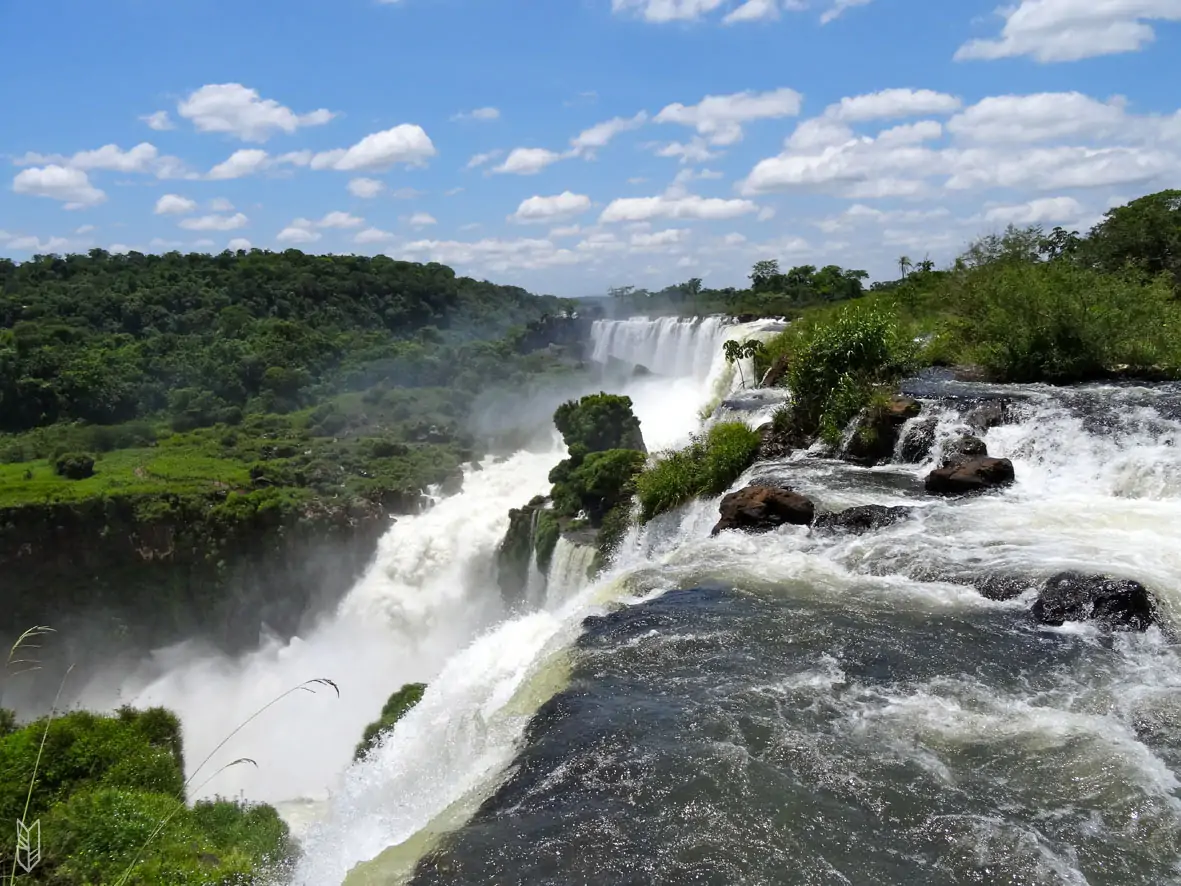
x=107, y=338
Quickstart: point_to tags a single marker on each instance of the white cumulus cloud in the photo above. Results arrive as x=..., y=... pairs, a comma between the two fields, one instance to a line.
x=688, y=206
x=550, y=209
x=1036, y=212
x=238, y=243
x=241, y=163
x=406, y=143
x=214, y=222
x=174, y=204
x=893, y=104
x=1069, y=30
x=365, y=188
x=340, y=220
x=527, y=161
x=72, y=186
x=719, y=118
x=159, y=121
x=235, y=109
x=599, y=135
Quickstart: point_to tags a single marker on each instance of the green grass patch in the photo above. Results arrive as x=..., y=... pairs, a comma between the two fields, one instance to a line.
x=395, y=708
x=707, y=466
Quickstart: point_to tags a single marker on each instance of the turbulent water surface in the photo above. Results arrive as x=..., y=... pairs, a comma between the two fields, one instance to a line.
x=799, y=708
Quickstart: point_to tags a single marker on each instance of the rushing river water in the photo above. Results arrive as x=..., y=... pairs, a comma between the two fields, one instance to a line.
x=803, y=707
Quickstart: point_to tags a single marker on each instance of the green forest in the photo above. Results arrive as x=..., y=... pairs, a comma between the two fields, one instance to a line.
x=335, y=373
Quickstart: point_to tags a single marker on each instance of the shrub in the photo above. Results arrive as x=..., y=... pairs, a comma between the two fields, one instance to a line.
x=94, y=835
x=707, y=466
x=545, y=538
x=74, y=465
x=105, y=784
x=394, y=710
x=837, y=363
x=599, y=422
x=1058, y=322
x=600, y=482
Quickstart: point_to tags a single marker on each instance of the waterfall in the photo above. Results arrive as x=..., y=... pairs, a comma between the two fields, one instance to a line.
x=802, y=705
x=569, y=570
x=834, y=707
x=668, y=346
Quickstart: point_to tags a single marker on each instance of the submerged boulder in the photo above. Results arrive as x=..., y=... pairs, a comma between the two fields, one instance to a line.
x=971, y=475
x=764, y=508
x=1117, y=604
x=878, y=430
x=990, y=414
x=865, y=518
x=918, y=441
x=1003, y=586
x=964, y=450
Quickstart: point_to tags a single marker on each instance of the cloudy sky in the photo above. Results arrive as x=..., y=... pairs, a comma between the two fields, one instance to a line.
x=572, y=145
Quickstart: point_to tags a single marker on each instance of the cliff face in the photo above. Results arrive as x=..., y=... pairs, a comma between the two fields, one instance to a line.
x=158, y=570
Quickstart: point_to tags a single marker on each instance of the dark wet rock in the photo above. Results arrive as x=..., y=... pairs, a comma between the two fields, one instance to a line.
x=780, y=444
x=990, y=414
x=641, y=371
x=764, y=508
x=1001, y=587
x=865, y=518
x=1118, y=604
x=877, y=433
x=776, y=373
x=918, y=441
x=964, y=450
x=975, y=475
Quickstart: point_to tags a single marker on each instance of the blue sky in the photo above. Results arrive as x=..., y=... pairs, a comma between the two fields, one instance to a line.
x=572, y=145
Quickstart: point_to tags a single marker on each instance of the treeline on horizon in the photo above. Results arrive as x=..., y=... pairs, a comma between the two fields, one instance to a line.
x=1142, y=238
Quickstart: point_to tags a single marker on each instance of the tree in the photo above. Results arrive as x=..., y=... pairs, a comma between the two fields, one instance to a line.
x=1145, y=234
x=763, y=274
x=904, y=265
x=736, y=352
x=926, y=266
x=1058, y=243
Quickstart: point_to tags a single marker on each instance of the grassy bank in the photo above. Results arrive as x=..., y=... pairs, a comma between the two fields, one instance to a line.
x=707, y=466
x=109, y=796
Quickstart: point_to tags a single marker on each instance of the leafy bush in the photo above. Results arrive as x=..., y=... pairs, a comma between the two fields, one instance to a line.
x=707, y=466
x=74, y=465
x=599, y=422
x=394, y=710
x=105, y=784
x=600, y=482
x=1058, y=322
x=545, y=538
x=836, y=364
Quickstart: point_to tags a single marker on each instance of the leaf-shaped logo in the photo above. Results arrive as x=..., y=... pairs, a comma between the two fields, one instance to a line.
x=28, y=845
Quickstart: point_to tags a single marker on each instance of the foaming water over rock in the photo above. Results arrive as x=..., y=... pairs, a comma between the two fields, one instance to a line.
x=804, y=706
x=811, y=706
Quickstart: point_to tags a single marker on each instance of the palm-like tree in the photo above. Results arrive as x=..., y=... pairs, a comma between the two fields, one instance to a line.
x=904, y=265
